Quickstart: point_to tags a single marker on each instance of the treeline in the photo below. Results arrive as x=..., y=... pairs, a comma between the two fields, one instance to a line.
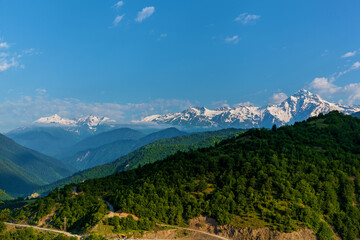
x=305, y=175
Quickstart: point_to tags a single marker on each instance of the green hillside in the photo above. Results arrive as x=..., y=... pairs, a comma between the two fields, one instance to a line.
x=4, y=196
x=106, y=147
x=152, y=152
x=305, y=175
x=22, y=169
x=356, y=115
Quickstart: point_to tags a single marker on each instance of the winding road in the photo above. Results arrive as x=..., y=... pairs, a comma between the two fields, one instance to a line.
x=111, y=208
x=43, y=229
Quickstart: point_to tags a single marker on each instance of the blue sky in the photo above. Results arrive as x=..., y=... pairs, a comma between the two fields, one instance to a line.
x=129, y=59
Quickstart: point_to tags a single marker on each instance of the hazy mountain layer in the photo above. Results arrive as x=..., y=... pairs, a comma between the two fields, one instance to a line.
x=22, y=169
x=150, y=153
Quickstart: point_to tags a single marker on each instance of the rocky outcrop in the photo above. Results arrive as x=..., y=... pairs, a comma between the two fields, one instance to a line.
x=210, y=225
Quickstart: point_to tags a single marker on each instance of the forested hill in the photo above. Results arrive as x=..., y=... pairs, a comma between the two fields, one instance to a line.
x=305, y=175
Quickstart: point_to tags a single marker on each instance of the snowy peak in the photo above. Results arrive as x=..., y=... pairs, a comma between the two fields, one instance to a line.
x=93, y=121
x=90, y=121
x=303, y=93
x=298, y=107
x=56, y=119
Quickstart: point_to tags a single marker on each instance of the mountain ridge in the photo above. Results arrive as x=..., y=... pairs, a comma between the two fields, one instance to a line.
x=298, y=107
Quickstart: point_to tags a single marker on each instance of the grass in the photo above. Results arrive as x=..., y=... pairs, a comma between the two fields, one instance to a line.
x=252, y=221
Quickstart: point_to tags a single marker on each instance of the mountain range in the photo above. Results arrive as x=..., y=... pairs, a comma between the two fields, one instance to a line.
x=163, y=144
x=295, y=177
x=53, y=135
x=298, y=107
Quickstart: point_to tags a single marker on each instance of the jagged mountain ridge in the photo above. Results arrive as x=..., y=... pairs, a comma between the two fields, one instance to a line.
x=298, y=107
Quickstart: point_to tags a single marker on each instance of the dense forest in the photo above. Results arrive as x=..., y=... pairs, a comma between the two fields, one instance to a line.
x=305, y=175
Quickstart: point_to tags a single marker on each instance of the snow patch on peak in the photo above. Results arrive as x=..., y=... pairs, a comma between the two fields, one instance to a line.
x=93, y=121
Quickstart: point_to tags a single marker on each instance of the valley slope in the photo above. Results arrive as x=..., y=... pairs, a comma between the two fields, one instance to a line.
x=149, y=153
x=22, y=169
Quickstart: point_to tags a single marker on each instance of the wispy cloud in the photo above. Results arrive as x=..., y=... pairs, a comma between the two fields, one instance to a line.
x=242, y=104
x=145, y=13
x=232, y=40
x=4, y=45
x=246, y=18
x=41, y=91
x=277, y=98
x=349, y=54
x=324, y=86
x=118, y=19
x=355, y=66
x=27, y=109
x=119, y=4
x=6, y=63
x=162, y=36
x=10, y=58
x=327, y=87
x=219, y=104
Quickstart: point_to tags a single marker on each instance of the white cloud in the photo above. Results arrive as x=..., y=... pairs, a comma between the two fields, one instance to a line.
x=145, y=13
x=242, y=104
x=246, y=18
x=349, y=54
x=162, y=36
x=219, y=104
x=118, y=19
x=4, y=45
x=326, y=87
x=9, y=58
x=118, y=4
x=41, y=91
x=353, y=67
x=353, y=92
x=6, y=63
x=232, y=40
x=27, y=109
x=277, y=98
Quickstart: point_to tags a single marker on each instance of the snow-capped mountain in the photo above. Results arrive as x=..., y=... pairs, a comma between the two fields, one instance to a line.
x=54, y=134
x=298, y=107
x=89, y=121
